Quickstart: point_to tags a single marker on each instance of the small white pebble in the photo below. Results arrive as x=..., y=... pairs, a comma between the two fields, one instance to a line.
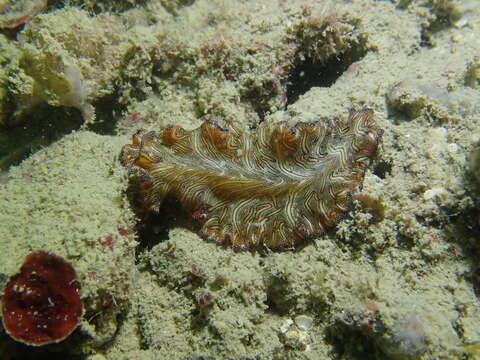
x=303, y=322
x=462, y=22
x=286, y=325
x=452, y=148
x=433, y=193
x=456, y=38
x=439, y=132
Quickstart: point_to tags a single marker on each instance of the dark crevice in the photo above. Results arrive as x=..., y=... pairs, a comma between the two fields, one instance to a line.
x=153, y=227
x=464, y=230
x=382, y=169
x=405, y=242
x=107, y=112
x=44, y=125
x=277, y=301
x=12, y=350
x=356, y=338
x=310, y=73
x=39, y=128
x=352, y=344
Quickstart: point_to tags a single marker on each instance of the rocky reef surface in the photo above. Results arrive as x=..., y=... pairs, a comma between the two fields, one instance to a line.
x=397, y=278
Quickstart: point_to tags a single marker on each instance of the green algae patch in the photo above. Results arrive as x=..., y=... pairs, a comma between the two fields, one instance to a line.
x=8, y=52
x=99, y=6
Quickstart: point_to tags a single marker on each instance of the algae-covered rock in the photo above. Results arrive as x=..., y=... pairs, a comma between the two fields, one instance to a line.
x=14, y=13
x=47, y=205
x=323, y=33
x=415, y=97
x=472, y=75
x=98, y=5
x=436, y=15
x=65, y=58
x=396, y=279
x=474, y=162
x=8, y=54
x=442, y=12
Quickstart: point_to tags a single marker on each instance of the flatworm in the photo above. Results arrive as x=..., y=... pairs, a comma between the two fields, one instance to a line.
x=276, y=187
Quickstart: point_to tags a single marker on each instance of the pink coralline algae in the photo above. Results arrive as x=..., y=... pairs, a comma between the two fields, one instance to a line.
x=41, y=304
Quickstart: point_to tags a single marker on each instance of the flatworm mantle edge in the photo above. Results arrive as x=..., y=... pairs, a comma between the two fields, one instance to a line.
x=276, y=187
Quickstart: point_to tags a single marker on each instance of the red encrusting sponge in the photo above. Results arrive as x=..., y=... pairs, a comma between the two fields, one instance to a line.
x=41, y=304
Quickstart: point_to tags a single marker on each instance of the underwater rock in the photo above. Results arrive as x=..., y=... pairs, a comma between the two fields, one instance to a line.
x=472, y=75
x=14, y=13
x=474, y=162
x=293, y=336
x=414, y=98
x=64, y=58
x=41, y=304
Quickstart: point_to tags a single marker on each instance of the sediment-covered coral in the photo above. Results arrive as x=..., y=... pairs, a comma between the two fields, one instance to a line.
x=14, y=13
x=82, y=228
x=67, y=62
x=322, y=34
x=415, y=98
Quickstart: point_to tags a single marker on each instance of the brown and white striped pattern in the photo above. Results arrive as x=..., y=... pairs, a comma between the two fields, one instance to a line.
x=276, y=187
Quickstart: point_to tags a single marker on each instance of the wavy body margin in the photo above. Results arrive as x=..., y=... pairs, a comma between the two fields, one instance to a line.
x=276, y=187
